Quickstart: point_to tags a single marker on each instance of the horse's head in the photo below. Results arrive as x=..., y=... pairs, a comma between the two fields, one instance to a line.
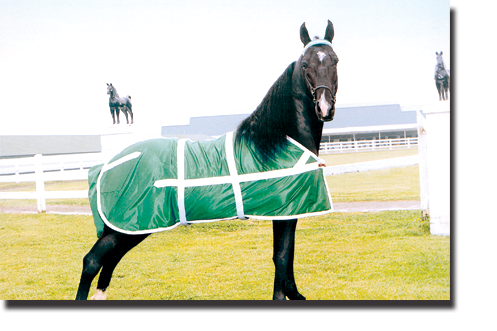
x=440, y=61
x=110, y=89
x=319, y=68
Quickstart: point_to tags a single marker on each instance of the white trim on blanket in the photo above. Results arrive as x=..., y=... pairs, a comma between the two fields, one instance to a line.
x=180, y=157
x=106, y=167
x=120, y=161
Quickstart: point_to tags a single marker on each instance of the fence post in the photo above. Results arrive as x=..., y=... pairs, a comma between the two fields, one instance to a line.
x=17, y=173
x=40, y=185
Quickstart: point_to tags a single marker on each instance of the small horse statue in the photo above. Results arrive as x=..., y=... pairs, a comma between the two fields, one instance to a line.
x=442, y=78
x=117, y=103
x=294, y=109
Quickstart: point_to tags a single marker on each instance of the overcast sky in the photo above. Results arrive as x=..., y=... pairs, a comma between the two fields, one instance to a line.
x=202, y=57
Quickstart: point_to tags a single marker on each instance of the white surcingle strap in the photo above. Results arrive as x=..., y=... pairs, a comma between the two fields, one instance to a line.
x=235, y=181
x=181, y=181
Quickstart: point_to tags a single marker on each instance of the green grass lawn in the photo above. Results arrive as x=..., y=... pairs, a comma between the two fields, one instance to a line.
x=340, y=256
x=354, y=157
x=378, y=185
x=349, y=256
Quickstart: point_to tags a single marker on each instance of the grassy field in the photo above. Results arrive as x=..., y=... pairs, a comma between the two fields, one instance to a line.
x=353, y=157
x=377, y=185
x=352, y=256
x=340, y=256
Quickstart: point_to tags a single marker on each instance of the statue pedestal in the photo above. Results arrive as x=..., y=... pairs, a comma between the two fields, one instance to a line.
x=434, y=152
x=117, y=137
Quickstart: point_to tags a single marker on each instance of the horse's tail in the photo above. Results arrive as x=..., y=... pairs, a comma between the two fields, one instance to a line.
x=128, y=103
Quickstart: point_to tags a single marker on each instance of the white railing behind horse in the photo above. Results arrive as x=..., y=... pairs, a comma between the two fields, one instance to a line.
x=40, y=169
x=367, y=145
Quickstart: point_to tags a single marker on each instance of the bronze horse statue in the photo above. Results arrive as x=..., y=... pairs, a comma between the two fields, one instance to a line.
x=442, y=78
x=117, y=103
x=295, y=107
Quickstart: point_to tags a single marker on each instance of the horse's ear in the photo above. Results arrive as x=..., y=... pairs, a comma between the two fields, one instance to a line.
x=330, y=32
x=441, y=53
x=304, y=35
x=107, y=84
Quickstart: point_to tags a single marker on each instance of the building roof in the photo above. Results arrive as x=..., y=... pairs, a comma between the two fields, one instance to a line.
x=368, y=129
x=361, y=118
x=371, y=116
x=206, y=125
x=24, y=146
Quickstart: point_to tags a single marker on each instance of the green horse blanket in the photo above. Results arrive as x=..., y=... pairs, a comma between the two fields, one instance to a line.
x=158, y=184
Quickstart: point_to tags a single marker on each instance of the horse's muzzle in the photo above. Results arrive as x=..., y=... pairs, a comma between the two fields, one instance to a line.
x=325, y=112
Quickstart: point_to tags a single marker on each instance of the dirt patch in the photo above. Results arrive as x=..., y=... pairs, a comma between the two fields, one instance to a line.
x=55, y=209
x=371, y=206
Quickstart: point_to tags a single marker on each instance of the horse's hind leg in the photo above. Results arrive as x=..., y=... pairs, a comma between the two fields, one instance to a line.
x=130, y=113
x=105, y=255
x=283, y=254
x=125, y=112
x=124, y=243
x=92, y=263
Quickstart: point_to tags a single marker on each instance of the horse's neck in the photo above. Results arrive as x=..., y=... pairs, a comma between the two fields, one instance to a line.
x=441, y=66
x=308, y=129
x=113, y=95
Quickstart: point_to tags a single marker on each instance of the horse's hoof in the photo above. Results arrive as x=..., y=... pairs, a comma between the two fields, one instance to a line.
x=99, y=295
x=296, y=296
x=278, y=298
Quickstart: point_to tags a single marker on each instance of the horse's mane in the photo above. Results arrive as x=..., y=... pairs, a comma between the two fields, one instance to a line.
x=274, y=119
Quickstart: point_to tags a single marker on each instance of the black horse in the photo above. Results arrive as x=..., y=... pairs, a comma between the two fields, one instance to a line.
x=442, y=78
x=296, y=105
x=117, y=103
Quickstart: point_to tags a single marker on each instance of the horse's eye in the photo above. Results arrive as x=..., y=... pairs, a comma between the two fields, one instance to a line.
x=304, y=65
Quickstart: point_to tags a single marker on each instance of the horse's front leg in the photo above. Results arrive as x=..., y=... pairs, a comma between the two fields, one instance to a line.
x=117, y=114
x=283, y=253
x=113, y=116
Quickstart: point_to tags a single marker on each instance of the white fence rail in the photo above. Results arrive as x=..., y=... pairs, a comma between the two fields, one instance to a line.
x=55, y=163
x=367, y=145
x=40, y=169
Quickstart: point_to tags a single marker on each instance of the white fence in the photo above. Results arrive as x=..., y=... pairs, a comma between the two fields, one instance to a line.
x=367, y=145
x=40, y=169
